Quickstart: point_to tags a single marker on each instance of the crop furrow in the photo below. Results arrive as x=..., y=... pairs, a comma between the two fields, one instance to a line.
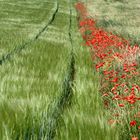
x=18, y=49
x=56, y=110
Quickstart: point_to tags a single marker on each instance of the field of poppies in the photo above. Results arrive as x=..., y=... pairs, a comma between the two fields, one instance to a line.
x=117, y=62
x=69, y=70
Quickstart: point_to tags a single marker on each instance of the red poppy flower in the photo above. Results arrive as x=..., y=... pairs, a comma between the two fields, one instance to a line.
x=99, y=65
x=123, y=76
x=135, y=138
x=133, y=123
x=115, y=80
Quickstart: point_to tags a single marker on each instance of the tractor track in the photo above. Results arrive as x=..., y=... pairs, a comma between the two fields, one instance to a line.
x=18, y=49
x=57, y=108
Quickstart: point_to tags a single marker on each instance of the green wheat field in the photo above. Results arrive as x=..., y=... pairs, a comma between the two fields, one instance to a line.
x=48, y=86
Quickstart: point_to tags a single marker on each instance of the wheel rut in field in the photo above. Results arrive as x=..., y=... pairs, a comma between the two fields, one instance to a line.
x=18, y=49
x=56, y=110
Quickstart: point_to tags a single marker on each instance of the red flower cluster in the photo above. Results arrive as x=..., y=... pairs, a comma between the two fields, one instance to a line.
x=133, y=123
x=116, y=60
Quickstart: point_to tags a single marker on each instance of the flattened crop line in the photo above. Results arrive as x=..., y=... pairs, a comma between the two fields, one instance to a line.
x=50, y=22
x=56, y=109
x=23, y=46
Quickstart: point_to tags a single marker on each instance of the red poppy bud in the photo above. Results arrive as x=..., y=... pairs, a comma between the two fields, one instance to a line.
x=121, y=105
